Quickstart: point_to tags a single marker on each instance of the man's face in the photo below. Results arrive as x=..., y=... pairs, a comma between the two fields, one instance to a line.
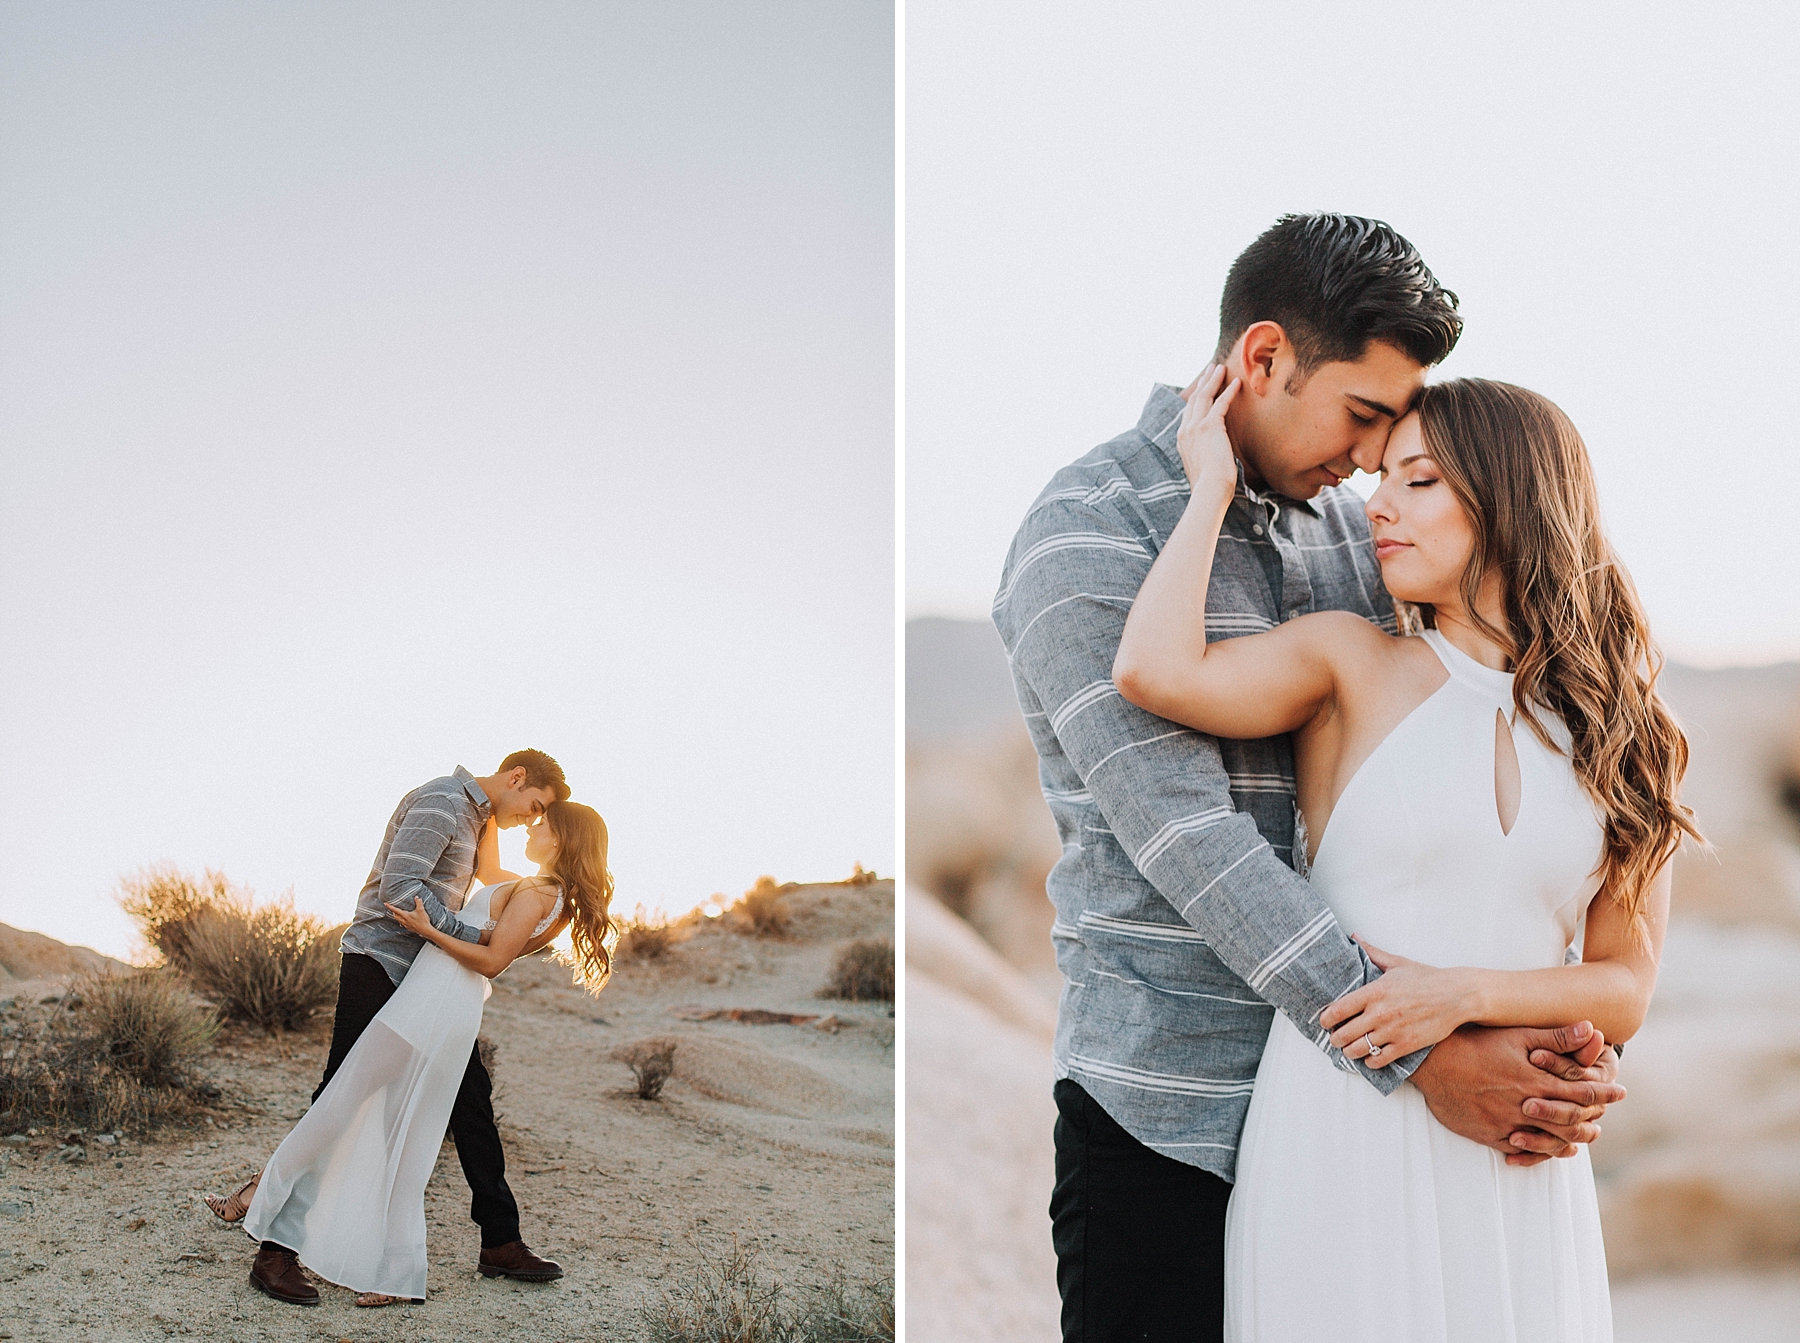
x=515, y=804
x=1299, y=437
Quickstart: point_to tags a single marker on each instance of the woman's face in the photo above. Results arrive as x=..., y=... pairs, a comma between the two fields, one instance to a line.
x=1423, y=539
x=540, y=843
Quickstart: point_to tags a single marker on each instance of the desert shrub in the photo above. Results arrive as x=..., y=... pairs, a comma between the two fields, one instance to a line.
x=863, y=970
x=263, y=964
x=488, y=1052
x=651, y=1061
x=164, y=902
x=728, y=1299
x=120, y=1052
x=861, y=876
x=764, y=909
x=645, y=937
x=145, y=1025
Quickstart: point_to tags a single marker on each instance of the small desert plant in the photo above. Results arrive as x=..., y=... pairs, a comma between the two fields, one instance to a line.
x=644, y=937
x=861, y=876
x=264, y=964
x=763, y=910
x=729, y=1300
x=488, y=1052
x=651, y=1061
x=863, y=969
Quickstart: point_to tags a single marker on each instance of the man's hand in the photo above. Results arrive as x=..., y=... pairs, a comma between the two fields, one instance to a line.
x=1531, y=1094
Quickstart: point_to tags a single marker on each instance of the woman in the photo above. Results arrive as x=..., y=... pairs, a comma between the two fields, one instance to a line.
x=346, y=1188
x=1479, y=796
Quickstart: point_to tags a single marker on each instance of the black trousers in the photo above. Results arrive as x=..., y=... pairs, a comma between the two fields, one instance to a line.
x=362, y=989
x=1140, y=1237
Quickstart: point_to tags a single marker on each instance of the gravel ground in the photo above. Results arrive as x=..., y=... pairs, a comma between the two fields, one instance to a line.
x=779, y=1134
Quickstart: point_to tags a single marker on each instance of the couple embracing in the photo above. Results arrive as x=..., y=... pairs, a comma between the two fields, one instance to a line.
x=1367, y=811
x=344, y=1193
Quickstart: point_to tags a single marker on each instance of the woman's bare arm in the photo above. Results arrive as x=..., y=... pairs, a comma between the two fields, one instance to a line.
x=507, y=940
x=1258, y=685
x=487, y=858
x=1413, y=1005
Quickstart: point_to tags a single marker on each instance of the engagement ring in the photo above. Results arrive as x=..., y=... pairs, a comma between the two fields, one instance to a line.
x=1374, y=1049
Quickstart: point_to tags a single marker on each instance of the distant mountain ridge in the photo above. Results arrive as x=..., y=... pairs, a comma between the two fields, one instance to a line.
x=28, y=955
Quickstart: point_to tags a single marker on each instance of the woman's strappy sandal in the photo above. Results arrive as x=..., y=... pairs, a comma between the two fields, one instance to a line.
x=233, y=1209
x=383, y=1299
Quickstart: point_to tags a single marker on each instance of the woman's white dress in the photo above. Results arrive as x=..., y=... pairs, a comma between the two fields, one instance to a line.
x=1360, y=1217
x=346, y=1188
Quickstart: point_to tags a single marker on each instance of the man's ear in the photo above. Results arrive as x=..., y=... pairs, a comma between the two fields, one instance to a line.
x=515, y=778
x=1261, y=346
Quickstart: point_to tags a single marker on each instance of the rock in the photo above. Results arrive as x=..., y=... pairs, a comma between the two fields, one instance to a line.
x=12, y=1208
x=73, y=1154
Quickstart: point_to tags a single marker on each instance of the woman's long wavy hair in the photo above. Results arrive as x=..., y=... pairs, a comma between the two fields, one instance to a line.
x=579, y=867
x=1578, y=639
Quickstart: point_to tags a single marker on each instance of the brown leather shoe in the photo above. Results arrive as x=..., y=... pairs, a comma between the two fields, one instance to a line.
x=276, y=1273
x=516, y=1261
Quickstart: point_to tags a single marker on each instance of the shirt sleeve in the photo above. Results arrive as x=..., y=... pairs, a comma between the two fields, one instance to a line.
x=1163, y=788
x=425, y=832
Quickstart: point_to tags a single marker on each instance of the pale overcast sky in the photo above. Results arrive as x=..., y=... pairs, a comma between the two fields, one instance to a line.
x=1610, y=188
x=384, y=388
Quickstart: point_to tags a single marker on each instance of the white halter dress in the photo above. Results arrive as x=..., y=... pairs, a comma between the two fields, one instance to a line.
x=346, y=1188
x=1360, y=1217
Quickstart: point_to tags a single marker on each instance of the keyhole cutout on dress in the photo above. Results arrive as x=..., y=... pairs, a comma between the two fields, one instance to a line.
x=1506, y=773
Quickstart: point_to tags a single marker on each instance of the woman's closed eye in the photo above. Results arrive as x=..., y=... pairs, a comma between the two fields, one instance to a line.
x=1421, y=483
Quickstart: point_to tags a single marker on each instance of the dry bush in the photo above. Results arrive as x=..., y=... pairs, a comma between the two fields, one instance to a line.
x=652, y=1061
x=145, y=1025
x=727, y=1299
x=863, y=970
x=164, y=902
x=119, y=1052
x=645, y=937
x=264, y=964
x=861, y=876
x=764, y=909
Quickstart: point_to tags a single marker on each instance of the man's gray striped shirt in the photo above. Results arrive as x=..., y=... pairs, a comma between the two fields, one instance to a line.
x=428, y=853
x=1179, y=917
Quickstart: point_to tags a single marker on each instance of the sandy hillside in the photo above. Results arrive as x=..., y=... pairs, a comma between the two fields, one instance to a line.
x=32, y=956
x=780, y=1133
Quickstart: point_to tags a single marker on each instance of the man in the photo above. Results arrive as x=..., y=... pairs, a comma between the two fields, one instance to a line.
x=429, y=854
x=1180, y=924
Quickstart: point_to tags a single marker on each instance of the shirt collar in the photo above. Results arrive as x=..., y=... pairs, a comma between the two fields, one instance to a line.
x=473, y=789
x=1160, y=420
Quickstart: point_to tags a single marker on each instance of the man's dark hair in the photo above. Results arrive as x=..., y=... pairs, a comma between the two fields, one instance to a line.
x=1334, y=283
x=540, y=772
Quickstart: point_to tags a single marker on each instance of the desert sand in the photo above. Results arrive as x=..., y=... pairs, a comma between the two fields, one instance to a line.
x=780, y=1134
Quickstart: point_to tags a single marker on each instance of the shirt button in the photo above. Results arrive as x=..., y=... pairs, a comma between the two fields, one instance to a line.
x=1293, y=615
x=1257, y=529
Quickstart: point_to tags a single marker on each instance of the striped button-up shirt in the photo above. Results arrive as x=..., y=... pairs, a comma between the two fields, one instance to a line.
x=1179, y=917
x=428, y=853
